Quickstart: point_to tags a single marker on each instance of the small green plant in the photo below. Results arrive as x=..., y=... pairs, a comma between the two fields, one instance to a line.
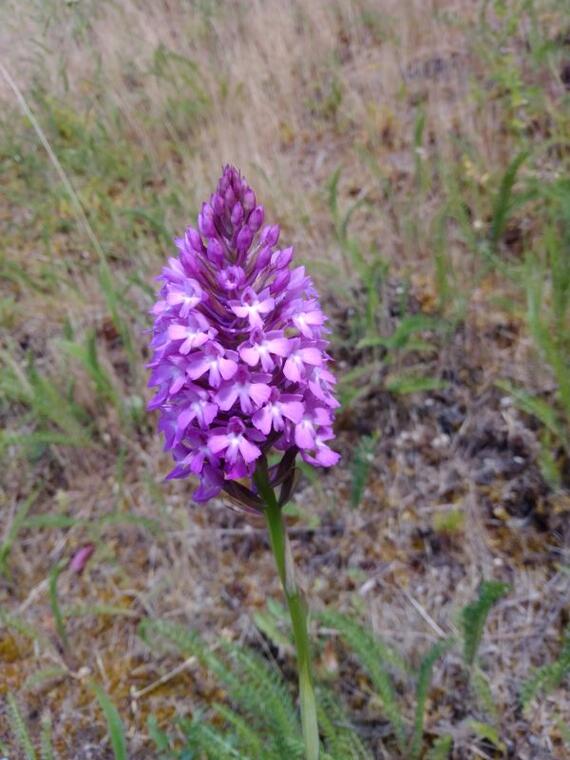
x=261, y=712
x=441, y=748
x=51, y=411
x=87, y=355
x=20, y=729
x=474, y=616
x=12, y=531
x=506, y=201
x=354, y=260
x=47, y=751
x=548, y=677
x=545, y=282
x=380, y=662
x=22, y=736
x=363, y=459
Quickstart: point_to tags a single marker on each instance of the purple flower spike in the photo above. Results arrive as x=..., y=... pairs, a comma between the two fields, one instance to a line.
x=239, y=352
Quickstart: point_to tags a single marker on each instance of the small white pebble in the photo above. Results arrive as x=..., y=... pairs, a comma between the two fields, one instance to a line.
x=506, y=401
x=441, y=441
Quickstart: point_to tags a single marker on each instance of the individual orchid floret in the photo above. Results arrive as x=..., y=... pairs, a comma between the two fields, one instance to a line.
x=299, y=358
x=186, y=294
x=234, y=441
x=212, y=359
x=194, y=331
x=262, y=347
x=280, y=407
x=251, y=389
x=239, y=358
x=253, y=306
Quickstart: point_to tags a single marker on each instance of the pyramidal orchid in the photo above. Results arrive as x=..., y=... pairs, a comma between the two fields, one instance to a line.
x=239, y=351
x=241, y=371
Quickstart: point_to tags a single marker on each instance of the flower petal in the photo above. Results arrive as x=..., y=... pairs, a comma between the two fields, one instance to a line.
x=248, y=450
x=217, y=443
x=260, y=393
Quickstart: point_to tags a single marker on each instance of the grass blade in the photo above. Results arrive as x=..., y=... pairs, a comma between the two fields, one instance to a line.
x=422, y=689
x=114, y=723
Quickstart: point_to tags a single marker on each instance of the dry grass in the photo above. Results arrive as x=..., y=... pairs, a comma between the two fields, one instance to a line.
x=142, y=102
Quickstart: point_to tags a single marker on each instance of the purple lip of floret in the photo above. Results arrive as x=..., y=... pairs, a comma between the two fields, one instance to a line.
x=239, y=353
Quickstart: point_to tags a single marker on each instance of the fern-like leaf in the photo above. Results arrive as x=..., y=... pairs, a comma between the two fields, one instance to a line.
x=19, y=729
x=550, y=676
x=375, y=657
x=482, y=689
x=262, y=691
x=342, y=741
x=203, y=738
x=474, y=617
x=46, y=746
x=254, y=687
x=249, y=739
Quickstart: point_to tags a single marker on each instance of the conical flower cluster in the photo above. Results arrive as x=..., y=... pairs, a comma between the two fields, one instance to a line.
x=239, y=354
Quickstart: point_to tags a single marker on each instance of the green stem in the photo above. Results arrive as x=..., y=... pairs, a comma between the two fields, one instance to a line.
x=297, y=611
x=55, y=608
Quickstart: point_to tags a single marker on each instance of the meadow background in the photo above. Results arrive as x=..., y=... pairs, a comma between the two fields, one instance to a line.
x=416, y=153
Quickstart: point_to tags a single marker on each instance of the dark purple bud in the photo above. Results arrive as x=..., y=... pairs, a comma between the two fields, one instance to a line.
x=215, y=252
x=231, y=278
x=235, y=426
x=244, y=238
x=230, y=197
x=255, y=219
x=270, y=234
x=190, y=262
x=218, y=204
x=280, y=282
x=282, y=258
x=206, y=221
x=237, y=214
x=237, y=183
x=224, y=182
x=263, y=258
x=194, y=240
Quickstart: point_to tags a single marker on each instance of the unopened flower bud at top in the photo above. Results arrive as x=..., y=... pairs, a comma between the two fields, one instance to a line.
x=255, y=219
